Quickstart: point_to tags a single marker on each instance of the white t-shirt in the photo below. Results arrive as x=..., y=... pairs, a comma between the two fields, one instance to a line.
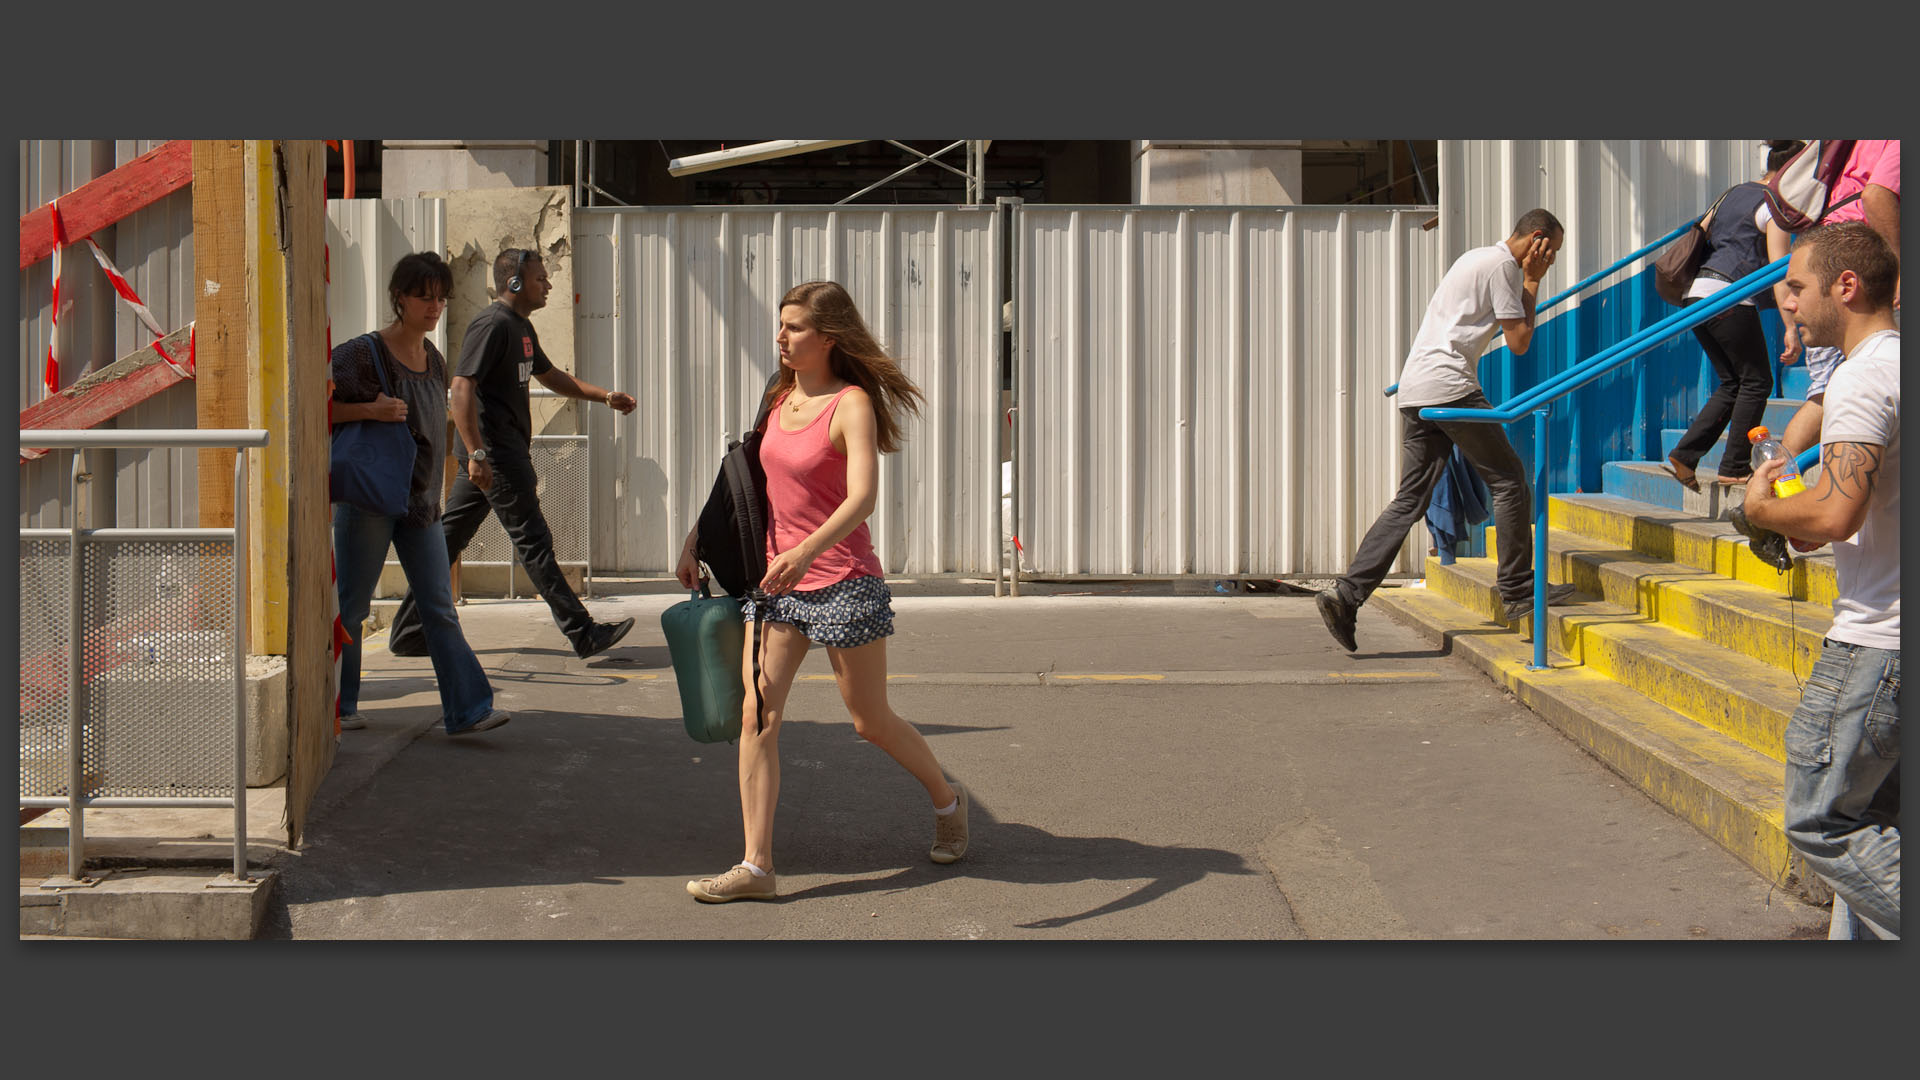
x=1481, y=288
x=1863, y=406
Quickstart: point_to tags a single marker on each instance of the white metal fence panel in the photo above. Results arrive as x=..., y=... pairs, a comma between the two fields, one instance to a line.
x=1613, y=195
x=153, y=247
x=1199, y=389
x=365, y=237
x=679, y=307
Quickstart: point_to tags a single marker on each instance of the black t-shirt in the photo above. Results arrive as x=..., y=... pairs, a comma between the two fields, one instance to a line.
x=502, y=354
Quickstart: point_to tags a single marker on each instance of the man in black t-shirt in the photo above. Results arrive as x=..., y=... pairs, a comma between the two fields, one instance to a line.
x=498, y=357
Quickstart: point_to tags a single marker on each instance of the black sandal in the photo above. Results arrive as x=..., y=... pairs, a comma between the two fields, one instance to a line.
x=1691, y=481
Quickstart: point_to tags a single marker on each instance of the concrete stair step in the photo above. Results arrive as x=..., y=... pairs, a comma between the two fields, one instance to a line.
x=1691, y=541
x=1734, y=695
x=1729, y=791
x=1734, y=615
x=1649, y=482
x=1779, y=411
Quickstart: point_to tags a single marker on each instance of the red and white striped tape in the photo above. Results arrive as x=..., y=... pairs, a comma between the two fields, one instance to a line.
x=120, y=285
x=52, y=375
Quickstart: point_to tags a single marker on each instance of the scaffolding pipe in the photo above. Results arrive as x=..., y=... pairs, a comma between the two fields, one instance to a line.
x=752, y=152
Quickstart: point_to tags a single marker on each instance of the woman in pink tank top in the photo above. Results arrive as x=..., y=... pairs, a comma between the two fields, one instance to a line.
x=836, y=409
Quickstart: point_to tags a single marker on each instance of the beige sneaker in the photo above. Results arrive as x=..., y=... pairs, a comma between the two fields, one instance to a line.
x=950, y=832
x=738, y=883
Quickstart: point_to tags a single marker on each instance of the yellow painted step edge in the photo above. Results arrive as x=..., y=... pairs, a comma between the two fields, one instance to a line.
x=1752, y=709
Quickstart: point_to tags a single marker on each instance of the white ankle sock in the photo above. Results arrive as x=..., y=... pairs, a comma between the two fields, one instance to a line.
x=949, y=808
x=757, y=872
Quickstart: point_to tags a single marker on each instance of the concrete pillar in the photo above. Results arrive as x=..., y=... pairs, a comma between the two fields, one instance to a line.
x=411, y=167
x=1200, y=172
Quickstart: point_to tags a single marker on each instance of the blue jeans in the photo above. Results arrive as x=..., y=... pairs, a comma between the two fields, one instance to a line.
x=1843, y=778
x=360, y=541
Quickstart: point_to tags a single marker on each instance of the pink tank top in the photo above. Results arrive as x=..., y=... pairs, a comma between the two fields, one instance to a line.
x=806, y=483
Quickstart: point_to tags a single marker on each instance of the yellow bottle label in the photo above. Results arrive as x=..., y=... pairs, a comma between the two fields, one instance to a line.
x=1790, y=486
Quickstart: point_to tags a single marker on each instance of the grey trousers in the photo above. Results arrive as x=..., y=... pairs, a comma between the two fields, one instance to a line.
x=1424, y=448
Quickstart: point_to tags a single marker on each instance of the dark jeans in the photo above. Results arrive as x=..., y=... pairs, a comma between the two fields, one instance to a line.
x=1424, y=448
x=1738, y=352
x=513, y=500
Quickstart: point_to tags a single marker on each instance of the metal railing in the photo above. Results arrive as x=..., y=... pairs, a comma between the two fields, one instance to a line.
x=114, y=665
x=1539, y=401
x=1590, y=279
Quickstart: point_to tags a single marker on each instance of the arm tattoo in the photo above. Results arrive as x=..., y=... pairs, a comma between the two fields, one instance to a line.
x=1853, y=466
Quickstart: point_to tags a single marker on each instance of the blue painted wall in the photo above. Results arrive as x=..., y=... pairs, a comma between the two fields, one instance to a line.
x=1619, y=416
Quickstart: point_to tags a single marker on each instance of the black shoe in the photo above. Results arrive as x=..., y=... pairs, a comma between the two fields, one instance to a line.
x=1338, y=615
x=1521, y=609
x=604, y=636
x=1767, y=546
x=414, y=644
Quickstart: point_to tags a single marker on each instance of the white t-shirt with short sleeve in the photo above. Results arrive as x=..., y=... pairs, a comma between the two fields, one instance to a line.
x=1481, y=288
x=1863, y=406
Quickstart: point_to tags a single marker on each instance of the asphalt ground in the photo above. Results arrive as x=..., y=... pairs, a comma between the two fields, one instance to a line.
x=1147, y=762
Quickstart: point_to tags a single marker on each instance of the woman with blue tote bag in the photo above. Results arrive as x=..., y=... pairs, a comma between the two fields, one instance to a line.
x=394, y=375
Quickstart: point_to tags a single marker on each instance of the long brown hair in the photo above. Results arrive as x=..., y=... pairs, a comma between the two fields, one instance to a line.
x=856, y=358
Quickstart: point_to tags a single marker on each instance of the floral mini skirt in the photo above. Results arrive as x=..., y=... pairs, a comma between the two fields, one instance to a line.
x=844, y=615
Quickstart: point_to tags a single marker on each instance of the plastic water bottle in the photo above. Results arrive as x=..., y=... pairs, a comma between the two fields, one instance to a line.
x=1766, y=448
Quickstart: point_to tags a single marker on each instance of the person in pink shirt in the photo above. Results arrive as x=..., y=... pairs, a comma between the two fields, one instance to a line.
x=1869, y=191
x=836, y=407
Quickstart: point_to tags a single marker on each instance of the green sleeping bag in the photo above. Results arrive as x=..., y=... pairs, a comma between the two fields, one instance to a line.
x=706, y=638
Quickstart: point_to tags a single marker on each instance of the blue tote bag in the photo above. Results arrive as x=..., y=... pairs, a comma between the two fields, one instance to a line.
x=371, y=465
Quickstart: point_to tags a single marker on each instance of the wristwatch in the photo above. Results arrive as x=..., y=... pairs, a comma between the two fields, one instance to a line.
x=478, y=455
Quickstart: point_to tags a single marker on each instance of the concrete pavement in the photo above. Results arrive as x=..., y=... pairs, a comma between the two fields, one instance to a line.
x=1147, y=761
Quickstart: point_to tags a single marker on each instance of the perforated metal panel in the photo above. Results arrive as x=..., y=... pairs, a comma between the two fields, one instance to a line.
x=161, y=682
x=45, y=566
x=561, y=462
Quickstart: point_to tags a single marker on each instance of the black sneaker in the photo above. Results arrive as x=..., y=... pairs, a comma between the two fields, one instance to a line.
x=604, y=636
x=1338, y=615
x=1767, y=546
x=1522, y=609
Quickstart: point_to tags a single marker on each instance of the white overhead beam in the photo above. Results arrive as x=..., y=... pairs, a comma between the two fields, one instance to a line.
x=743, y=155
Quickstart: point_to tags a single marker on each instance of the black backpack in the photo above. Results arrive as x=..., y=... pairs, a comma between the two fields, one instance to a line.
x=731, y=533
x=730, y=536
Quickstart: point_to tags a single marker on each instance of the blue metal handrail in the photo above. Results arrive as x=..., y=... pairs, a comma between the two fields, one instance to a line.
x=1539, y=401
x=1626, y=349
x=1596, y=276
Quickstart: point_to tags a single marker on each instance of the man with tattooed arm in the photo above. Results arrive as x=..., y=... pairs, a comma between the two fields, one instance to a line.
x=1843, y=742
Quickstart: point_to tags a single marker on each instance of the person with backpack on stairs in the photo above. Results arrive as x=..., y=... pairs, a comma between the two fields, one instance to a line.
x=1732, y=340
x=1866, y=189
x=1488, y=287
x=1842, y=806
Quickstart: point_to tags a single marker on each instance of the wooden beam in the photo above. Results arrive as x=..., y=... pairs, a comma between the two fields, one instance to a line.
x=302, y=476
x=106, y=199
x=106, y=393
x=219, y=288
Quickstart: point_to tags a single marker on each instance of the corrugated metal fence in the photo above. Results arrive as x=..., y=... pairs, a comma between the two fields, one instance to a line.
x=679, y=307
x=1199, y=389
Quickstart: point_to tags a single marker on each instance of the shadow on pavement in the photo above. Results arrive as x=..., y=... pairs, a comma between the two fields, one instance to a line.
x=555, y=799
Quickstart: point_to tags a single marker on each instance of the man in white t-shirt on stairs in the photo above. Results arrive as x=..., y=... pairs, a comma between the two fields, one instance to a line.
x=1843, y=742
x=1488, y=287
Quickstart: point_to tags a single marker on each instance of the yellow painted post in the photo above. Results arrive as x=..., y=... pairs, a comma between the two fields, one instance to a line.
x=267, y=398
